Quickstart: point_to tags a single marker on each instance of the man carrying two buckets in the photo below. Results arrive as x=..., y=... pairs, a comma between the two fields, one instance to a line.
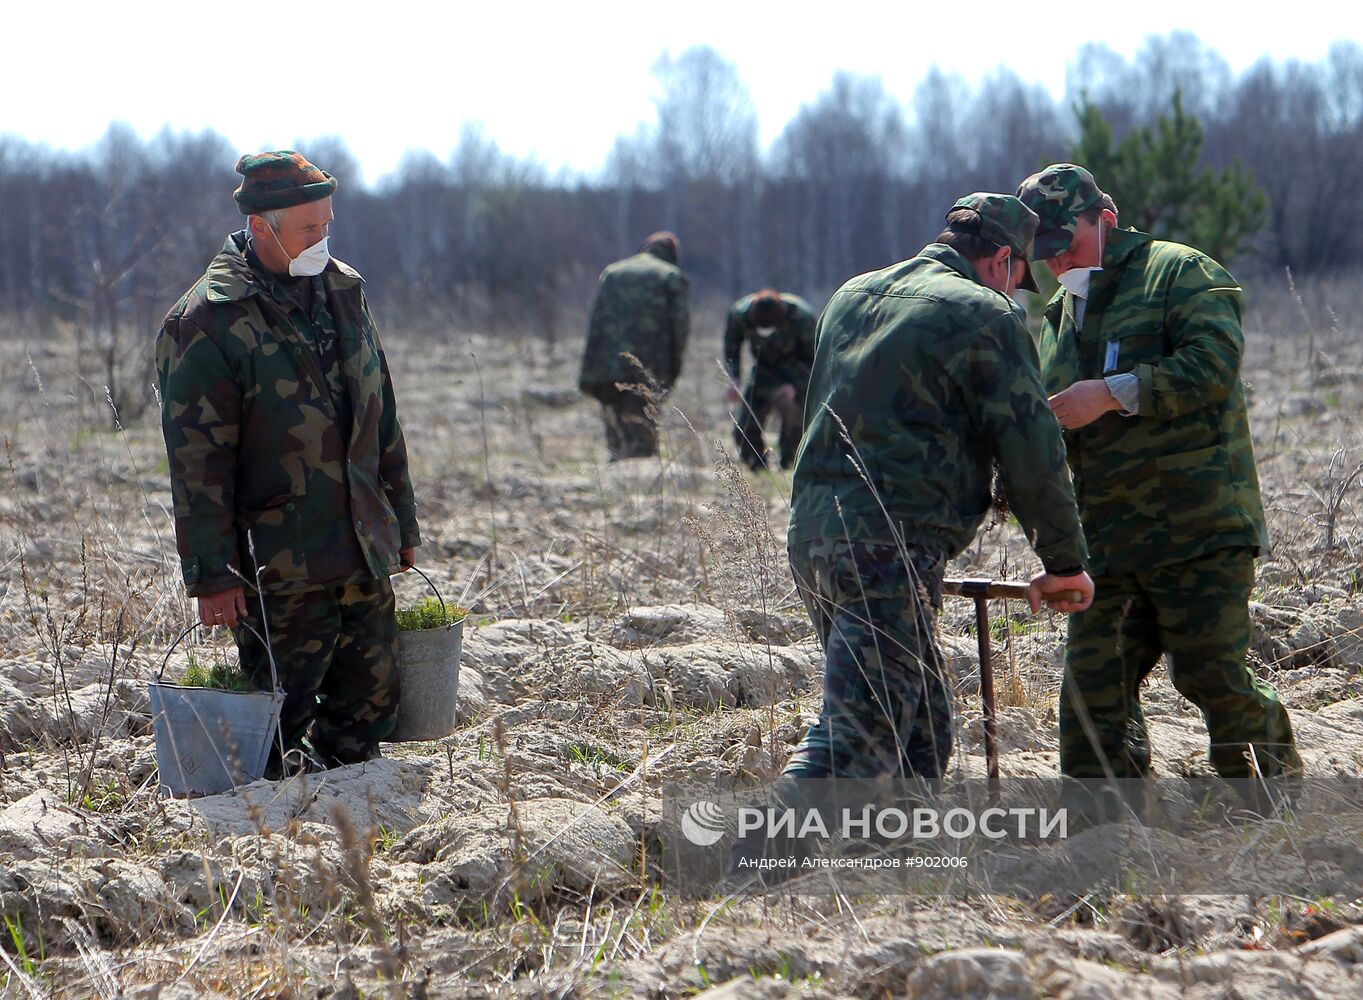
x=288, y=467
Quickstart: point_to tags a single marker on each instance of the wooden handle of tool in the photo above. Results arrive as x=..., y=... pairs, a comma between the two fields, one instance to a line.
x=1011, y=589
x=1019, y=591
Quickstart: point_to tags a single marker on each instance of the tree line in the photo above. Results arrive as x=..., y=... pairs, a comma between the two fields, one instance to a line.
x=106, y=238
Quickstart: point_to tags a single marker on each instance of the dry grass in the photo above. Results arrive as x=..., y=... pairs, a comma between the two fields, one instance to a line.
x=525, y=520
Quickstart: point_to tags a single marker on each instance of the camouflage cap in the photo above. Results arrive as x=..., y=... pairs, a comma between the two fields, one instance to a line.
x=1004, y=220
x=280, y=179
x=1057, y=195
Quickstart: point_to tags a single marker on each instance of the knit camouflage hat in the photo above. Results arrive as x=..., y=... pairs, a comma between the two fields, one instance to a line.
x=1004, y=220
x=280, y=179
x=1057, y=195
x=767, y=308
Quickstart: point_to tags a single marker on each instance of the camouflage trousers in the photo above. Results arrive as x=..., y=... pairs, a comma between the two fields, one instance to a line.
x=756, y=405
x=631, y=420
x=886, y=703
x=1196, y=612
x=335, y=649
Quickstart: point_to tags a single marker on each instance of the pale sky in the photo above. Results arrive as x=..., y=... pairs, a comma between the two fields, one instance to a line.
x=558, y=81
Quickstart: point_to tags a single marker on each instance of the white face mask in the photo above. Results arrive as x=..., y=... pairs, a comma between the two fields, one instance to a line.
x=311, y=261
x=765, y=331
x=1076, y=279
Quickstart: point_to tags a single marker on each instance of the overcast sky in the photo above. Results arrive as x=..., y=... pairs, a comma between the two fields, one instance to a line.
x=558, y=81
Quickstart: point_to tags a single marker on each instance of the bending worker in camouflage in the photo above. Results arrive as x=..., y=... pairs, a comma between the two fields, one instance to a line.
x=636, y=338
x=286, y=453
x=924, y=377
x=779, y=330
x=1140, y=349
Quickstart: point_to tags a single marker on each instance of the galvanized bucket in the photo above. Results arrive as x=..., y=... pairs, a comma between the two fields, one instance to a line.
x=428, y=679
x=209, y=740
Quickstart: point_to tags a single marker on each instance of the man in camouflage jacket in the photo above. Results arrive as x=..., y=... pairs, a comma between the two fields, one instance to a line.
x=779, y=330
x=1141, y=356
x=924, y=378
x=288, y=465
x=636, y=338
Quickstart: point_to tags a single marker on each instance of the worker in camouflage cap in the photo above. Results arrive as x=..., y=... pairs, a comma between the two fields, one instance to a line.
x=288, y=466
x=778, y=328
x=1006, y=222
x=636, y=338
x=1058, y=195
x=1140, y=353
x=924, y=378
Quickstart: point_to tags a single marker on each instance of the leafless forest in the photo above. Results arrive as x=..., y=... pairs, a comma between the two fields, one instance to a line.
x=631, y=623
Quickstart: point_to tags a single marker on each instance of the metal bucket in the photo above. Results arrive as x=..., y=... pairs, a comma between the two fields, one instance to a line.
x=209, y=740
x=428, y=680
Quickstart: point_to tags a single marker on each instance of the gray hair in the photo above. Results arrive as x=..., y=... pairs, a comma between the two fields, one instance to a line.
x=273, y=218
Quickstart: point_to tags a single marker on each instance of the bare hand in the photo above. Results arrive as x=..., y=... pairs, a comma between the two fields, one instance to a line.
x=407, y=557
x=1083, y=403
x=731, y=395
x=1044, y=583
x=784, y=396
x=226, y=607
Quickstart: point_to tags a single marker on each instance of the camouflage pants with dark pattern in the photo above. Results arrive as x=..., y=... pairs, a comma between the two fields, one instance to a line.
x=631, y=422
x=886, y=703
x=755, y=406
x=1196, y=612
x=335, y=649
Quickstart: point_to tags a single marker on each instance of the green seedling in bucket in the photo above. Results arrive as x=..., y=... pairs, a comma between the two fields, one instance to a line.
x=429, y=613
x=220, y=676
x=430, y=639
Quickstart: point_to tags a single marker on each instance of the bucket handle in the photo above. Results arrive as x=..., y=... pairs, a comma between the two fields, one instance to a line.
x=179, y=638
x=166, y=660
x=430, y=583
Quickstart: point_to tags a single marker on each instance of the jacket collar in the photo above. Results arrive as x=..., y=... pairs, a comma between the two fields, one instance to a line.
x=949, y=257
x=231, y=279
x=1120, y=244
x=661, y=252
x=1119, y=247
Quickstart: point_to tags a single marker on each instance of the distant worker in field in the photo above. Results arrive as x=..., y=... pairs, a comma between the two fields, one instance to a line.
x=1140, y=352
x=778, y=328
x=636, y=338
x=286, y=453
x=924, y=377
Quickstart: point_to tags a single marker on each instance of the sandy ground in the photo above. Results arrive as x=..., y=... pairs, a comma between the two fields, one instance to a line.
x=631, y=625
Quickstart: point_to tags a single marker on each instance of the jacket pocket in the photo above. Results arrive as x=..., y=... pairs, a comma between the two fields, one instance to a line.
x=1132, y=345
x=1198, y=495
x=275, y=532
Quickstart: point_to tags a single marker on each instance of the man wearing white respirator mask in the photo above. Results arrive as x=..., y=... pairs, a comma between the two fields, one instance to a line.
x=1140, y=353
x=286, y=455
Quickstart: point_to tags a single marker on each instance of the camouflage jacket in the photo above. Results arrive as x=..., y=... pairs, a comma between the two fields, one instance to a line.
x=780, y=358
x=641, y=307
x=253, y=439
x=923, y=379
x=1178, y=480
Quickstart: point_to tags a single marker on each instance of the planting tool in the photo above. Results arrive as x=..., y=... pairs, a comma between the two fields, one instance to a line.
x=981, y=590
